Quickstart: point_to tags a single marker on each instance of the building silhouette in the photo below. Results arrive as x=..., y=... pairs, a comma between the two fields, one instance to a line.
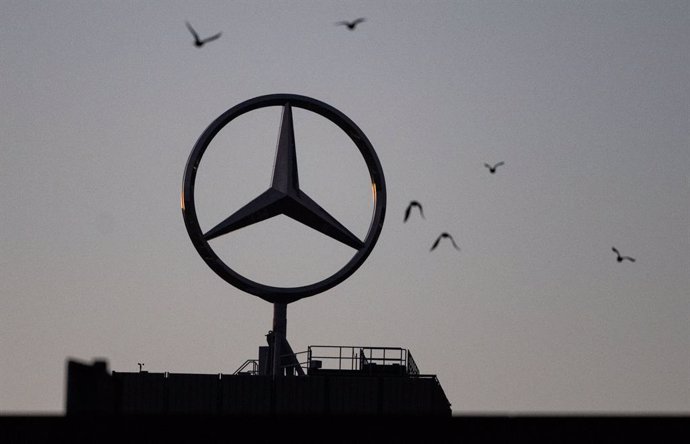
x=331, y=381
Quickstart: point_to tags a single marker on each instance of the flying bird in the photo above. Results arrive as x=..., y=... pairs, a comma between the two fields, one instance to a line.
x=351, y=25
x=413, y=203
x=622, y=258
x=197, y=41
x=492, y=169
x=441, y=236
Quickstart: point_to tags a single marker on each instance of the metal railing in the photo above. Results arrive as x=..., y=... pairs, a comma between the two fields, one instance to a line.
x=351, y=357
x=254, y=370
x=412, y=368
x=289, y=368
x=343, y=357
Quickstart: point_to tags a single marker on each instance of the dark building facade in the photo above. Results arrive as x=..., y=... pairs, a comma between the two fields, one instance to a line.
x=369, y=386
x=367, y=404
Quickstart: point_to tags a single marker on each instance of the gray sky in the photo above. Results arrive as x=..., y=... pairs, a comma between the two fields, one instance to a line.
x=587, y=102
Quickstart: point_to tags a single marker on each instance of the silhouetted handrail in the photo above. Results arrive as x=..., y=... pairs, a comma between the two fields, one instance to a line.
x=296, y=365
x=358, y=357
x=255, y=367
x=412, y=368
x=343, y=357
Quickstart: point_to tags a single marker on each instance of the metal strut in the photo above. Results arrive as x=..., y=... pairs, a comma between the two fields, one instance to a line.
x=284, y=360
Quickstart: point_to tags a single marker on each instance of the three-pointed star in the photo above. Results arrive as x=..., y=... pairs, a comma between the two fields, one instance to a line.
x=285, y=197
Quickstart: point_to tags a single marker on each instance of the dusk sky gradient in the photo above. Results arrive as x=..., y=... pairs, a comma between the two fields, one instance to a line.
x=586, y=102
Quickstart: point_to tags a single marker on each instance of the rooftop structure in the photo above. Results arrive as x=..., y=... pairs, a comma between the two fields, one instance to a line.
x=332, y=380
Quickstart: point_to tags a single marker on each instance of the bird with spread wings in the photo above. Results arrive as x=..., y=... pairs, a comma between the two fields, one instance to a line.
x=492, y=168
x=408, y=210
x=351, y=25
x=441, y=236
x=620, y=258
x=200, y=42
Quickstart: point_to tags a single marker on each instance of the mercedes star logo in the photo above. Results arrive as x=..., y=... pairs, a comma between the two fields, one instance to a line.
x=285, y=197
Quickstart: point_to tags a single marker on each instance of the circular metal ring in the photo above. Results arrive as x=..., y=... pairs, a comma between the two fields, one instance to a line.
x=283, y=294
